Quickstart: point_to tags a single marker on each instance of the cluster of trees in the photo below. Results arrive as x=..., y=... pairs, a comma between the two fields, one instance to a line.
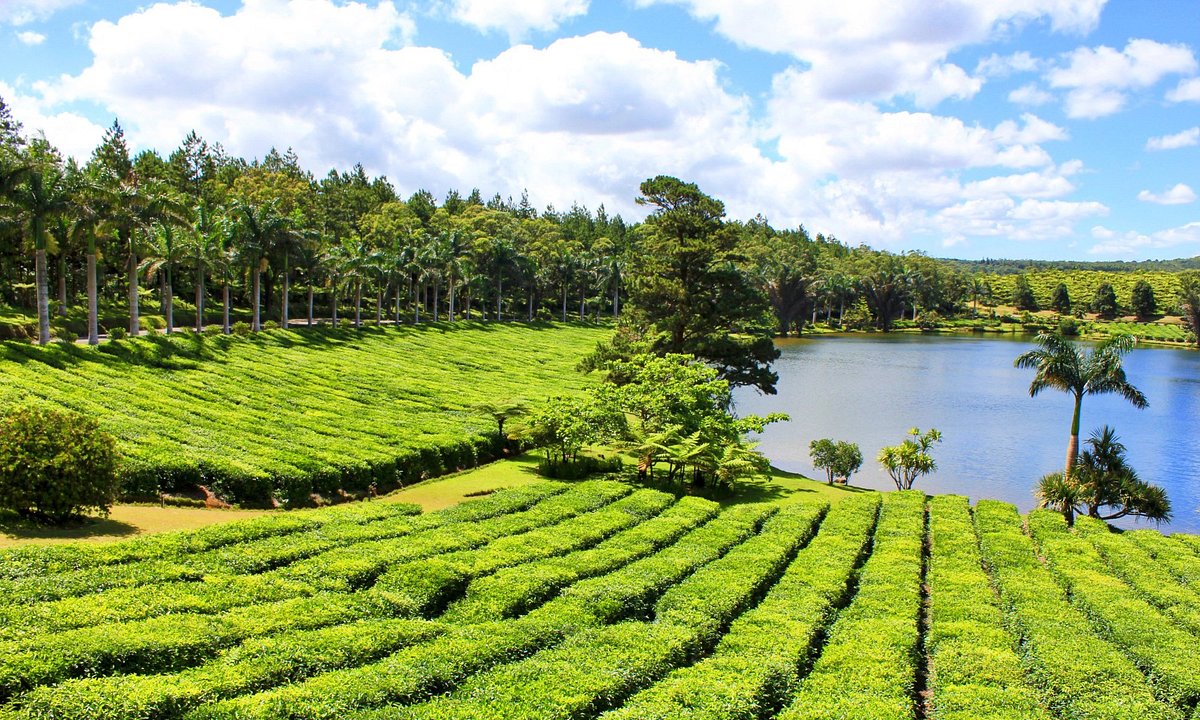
x=1099, y=481
x=1143, y=303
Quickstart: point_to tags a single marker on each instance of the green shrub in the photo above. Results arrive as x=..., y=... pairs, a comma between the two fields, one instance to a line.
x=1068, y=327
x=118, y=333
x=53, y=465
x=213, y=330
x=241, y=327
x=271, y=325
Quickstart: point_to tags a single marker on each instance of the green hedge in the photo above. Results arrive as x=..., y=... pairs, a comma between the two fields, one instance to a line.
x=848, y=681
x=1143, y=573
x=255, y=665
x=1173, y=554
x=594, y=670
x=419, y=672
x=512, y=591
x=1082, y=675
x=974, y=671
x=756, y=664
x=1165, y=653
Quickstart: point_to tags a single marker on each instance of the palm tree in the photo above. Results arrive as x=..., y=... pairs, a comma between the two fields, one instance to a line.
x=1103, y=478
x=1063, y=365
x=262, y=227
x=40, y=198
x=163, y=253
x=202, y=251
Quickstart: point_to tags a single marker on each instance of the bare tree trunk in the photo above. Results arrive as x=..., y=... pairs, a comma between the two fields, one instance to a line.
x=134, y=326
x=93, y=310
x=310, y=305
x=450, y=290
x=357, y=304
x=1073, y=442
x=582, y=304
x=333, y=305
x=564, y=303
x=529, y=304
x=199, y=297
x=283, y=310
x=499, y=298
x=379, y=306
x=62, y=283
x=225, y=327
x=616, y=300
x=43, y=296
x=257, y=325
x=169, y=303
x=437, y=286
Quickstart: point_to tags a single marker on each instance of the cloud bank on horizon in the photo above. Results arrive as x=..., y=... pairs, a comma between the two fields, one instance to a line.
x=997, y=128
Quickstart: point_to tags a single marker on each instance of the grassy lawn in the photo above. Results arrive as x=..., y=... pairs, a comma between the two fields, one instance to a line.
x=125, y=521
x=128, y=521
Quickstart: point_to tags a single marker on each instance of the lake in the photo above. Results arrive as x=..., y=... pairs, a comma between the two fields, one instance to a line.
x=997, y=441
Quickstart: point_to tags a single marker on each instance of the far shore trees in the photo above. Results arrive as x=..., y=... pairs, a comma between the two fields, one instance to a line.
x=1189, y=302
x=1064, y=365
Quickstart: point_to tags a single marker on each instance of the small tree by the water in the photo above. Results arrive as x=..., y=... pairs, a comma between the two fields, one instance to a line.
x=1061, y=301
x=838, y=458
x=1104, y=303
x=910, y=459
x=1022, y=297
x=1142, y=300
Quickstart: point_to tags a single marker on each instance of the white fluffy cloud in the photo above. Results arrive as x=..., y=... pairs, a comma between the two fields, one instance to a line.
x=1184, y=240
x=1179, y=195
x=1029, y=94
x=582, y=119
x=1188, y=90
x=29, y=37
x=23, y=12
x=1187, y=138
x=1098, y=79
x=516, y=18
x=878, y=49
x=71, y=133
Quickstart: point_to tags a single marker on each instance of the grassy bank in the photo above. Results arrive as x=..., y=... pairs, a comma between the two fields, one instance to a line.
x=285, y=414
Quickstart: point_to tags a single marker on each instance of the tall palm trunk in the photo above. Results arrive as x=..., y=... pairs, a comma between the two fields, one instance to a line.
x=284, y=319
x=256, y=290
x=358, y=304
x=92, y=291
x=450, y=290
x=564, y=303
x=225, y=327
x=437, y=286
x=43, y=295
x=529, y=304
x=499, y=298
x=379, y=306
x=1073, y=442
x=310, y=305
x=169, y=302
x=582, y=304
x=199, y=297
x=62, y=283
x=134, y=325
x=616, y=300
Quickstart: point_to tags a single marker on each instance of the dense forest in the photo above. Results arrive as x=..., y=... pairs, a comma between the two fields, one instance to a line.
x=123, y=243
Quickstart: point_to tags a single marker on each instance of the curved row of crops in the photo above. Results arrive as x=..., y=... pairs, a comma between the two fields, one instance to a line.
x=290, y=413
x=601, y=600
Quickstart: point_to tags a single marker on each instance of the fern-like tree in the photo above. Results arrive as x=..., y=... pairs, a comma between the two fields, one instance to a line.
x=1022, y=297
x=39, y=200
x=1064, y=365
x=910, y=459
x=1104, y=485
x=1104, y=303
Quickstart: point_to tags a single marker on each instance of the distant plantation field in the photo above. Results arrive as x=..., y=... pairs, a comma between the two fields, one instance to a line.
x=598, y=599
x=1082, y=284
x=289, y=413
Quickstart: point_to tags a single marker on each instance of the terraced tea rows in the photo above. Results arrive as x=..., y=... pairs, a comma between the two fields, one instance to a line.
x=285, y=414
x=597, y=599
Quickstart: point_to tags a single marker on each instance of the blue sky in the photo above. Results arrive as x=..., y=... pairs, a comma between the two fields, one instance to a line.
x=988, y=128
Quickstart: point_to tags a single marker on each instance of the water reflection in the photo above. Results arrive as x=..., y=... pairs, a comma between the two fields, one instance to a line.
x=997, y=440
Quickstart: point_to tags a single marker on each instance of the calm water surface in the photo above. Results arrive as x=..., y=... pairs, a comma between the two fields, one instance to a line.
x=997, y=441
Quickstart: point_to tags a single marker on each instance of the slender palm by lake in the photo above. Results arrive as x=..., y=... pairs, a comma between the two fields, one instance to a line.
x=997, y=440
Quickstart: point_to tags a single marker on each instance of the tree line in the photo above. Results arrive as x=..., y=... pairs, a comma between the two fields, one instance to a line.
x=233, y=238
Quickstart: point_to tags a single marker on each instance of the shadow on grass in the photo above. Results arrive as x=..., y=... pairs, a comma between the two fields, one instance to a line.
x=17, y=527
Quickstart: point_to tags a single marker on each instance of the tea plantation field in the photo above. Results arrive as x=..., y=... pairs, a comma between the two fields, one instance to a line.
x=600, y=600
x=287, y=413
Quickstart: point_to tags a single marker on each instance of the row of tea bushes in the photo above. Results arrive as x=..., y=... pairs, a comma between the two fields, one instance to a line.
x=846, y=681
x=282, y=415
x=1165, y=653
x=419, y=672
x=1083, y=675
x=757, y=663
x=596, y=669
x=974, y=673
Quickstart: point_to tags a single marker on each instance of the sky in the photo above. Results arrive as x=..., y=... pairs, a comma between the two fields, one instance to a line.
x=1045, y=129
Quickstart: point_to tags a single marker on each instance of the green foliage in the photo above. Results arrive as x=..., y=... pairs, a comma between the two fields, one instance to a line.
x=54, y=465
x=1103, y=485
x=1189, y=302
x=1061, y=300
x=1068, y=327
x=1083, y=675
x=284, y=415
x=839, y=459
x=1022, y=295
x=1104, y=302
x=1142, y=301
x=241, y=328
x=910, y=459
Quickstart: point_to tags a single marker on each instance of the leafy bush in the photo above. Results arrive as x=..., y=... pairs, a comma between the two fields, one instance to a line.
x=54, y=465
x=241, y=327
x=118, y=333
x=271, y=325
x=1068, y=327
